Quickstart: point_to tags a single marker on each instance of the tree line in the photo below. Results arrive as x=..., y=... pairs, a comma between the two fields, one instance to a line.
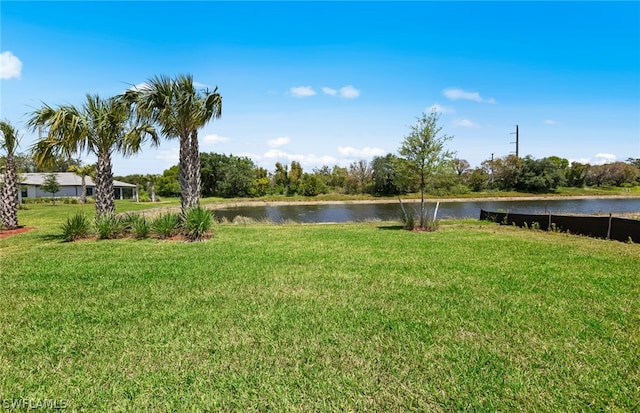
x=230, y=176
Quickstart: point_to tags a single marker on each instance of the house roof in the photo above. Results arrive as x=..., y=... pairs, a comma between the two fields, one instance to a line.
x=64, y=179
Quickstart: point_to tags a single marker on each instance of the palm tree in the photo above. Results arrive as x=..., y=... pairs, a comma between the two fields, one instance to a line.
x=151, y=182
x=83, y=171
x=100, y=127
x=9, y=192
x=180, y=110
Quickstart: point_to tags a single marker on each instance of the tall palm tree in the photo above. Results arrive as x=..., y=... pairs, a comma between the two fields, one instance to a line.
x=9, y=194
x=83, y=171
x=180, y=110
x=100, y=127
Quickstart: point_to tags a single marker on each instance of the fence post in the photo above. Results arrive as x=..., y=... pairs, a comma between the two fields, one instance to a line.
x=549, y=227
x=609, y=229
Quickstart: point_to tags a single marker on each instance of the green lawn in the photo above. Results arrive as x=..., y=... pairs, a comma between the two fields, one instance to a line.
x=355, y=317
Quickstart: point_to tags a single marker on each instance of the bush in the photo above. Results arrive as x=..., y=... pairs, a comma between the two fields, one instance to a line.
x=197, y=223
x=166, y=225
x=409, y=218
x=110, y=226
x=76, y=227
x=137, y=225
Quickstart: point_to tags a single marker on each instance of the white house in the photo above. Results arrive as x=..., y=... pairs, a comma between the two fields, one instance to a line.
x=70, y=186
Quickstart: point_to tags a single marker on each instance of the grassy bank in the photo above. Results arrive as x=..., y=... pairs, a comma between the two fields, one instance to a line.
x=361, y=317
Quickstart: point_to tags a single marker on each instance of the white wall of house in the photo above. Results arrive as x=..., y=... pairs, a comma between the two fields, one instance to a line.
x=64, y=192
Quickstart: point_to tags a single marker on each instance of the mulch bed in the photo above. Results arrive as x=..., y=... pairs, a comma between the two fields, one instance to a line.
x=5, y=233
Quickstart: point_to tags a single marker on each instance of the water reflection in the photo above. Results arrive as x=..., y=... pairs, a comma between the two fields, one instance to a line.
x=392, y=212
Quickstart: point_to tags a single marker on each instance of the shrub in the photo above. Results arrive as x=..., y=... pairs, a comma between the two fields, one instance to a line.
x=197, y=223
x=110, y=226
x=166, y=225
x=409, y=218
x=138, y=226
x=76, y=227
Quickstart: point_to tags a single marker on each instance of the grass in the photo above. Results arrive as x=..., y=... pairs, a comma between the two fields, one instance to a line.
x=354, y=317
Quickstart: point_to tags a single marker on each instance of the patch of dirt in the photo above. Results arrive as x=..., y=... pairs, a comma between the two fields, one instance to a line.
x=6, y=233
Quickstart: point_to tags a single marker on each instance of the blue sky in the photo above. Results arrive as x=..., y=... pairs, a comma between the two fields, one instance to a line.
x=334, y=82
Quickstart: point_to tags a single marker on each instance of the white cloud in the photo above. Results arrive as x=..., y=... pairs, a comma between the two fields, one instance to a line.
x=366, y=152
x=329, y=91
x=459, y=94
x=305, y=160
x=580, y=160
x=349, y=92
x=10, y=66
x=171, y=155
x=275, y=153
x=436, y=107
x=250, y=155
x=602, y=158
x=466, y=123
x=216, y=139
x=598, y=159
x=550, y=122
x=302, y=91
x=274, y=143
x=200, y=85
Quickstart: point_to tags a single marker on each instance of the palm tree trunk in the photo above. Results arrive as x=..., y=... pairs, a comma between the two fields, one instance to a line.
x=185, y=172
x=10, y=195
x=105, y=204
x=83, y=191
x=196, y=179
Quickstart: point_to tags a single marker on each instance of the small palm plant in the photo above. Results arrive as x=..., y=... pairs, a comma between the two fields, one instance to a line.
x=77, y=227
x=109, y=226
x=197, y=223
x=138, y=226
x=166, y=225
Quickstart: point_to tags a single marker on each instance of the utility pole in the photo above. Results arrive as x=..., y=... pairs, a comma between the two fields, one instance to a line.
x=517, y=142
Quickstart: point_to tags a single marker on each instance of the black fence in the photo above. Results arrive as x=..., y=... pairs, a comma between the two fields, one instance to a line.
x=620, y=229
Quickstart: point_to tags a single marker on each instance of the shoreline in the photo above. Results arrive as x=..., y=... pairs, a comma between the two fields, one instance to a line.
x=250, y=203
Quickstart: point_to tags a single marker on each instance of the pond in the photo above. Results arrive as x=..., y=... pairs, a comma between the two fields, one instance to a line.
x=358, y=212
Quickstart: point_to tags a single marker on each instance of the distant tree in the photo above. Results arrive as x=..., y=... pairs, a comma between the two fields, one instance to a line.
x=540, y=175
x=51, y=185
x=360, y=178
x=281, y=179
x=9, y=142
x=83, y=172
x=324, y=173
x=261, y=182
x=385, y=175
x=425, y=153
x=479, y=179
x=295, y=178
x=151, y=184
x=339, y=176
x=226, y=175
x=505, y=172
x=612, y=174
x=576, y=174
x=460, y=166
x=168, y=184
x=238, y=175
x=562, y=163
x=312, y=185
x=634, y=161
